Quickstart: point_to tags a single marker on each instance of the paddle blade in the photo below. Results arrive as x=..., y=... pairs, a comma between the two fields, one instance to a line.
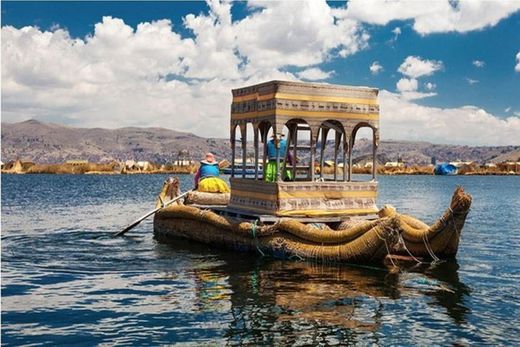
x=128, y=228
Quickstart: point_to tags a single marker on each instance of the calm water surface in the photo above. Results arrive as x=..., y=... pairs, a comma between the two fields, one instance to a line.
x=65, y=280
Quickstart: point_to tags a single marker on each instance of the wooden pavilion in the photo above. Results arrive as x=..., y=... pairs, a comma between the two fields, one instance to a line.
x=308, y=112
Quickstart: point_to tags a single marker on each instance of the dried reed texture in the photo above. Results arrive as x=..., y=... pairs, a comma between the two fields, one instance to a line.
x=369, y=247
x=207, y=218
x=441, y=238
x=203, y=198
x=289, y=238
x=72, y=169
x=313, y=234
x=353, y=241
x=170, y=189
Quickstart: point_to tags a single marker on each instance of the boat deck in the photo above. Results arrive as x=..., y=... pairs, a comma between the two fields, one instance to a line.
x=268, y=219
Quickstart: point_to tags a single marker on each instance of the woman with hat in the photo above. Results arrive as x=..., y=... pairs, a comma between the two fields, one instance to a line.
x=207, y=177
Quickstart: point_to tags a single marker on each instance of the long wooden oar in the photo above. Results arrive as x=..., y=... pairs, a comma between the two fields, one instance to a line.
x=139, y=220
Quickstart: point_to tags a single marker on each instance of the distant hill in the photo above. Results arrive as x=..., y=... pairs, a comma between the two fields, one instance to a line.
x=51, y=143
x=422, y=152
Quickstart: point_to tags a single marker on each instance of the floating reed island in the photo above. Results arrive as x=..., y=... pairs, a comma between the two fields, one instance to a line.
x=115, y=167
x=73, y=167
x=297, y=210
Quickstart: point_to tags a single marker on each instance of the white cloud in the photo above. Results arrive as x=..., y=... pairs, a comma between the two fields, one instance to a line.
x=416, y=67
x=375, y=68
x=471, y=81
x=435, y=16
x=517, y=67
x=430, y=86
x=415, y=95
x=150, y=75
x=478, y=63
x=314, y=74
x=397, y=32
x=468, y=125
x=281, y=33
x=408, y=89
x=406, y=85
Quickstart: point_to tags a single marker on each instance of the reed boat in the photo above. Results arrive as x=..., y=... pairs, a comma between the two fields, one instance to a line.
x=303, y=213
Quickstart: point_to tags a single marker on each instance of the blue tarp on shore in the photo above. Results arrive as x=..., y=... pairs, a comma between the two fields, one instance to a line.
x=445, y=169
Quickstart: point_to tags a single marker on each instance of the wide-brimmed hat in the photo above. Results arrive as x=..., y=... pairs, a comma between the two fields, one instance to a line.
x=209, y=157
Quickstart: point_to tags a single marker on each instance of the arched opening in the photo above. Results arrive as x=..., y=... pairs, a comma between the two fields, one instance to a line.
x=332, y=148
x=264, y=132
x=245, y=147
x=248, y=150
x=300, y=156
x=276, y=154
x=236, y=153
x=362, y=153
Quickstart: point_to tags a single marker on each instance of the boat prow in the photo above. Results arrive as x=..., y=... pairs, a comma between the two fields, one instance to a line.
x=441, y=239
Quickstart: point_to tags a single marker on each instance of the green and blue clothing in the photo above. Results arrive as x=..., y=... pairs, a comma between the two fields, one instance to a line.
x=270, y=171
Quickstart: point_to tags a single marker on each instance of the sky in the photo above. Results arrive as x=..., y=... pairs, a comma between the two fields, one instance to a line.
x=448, y=71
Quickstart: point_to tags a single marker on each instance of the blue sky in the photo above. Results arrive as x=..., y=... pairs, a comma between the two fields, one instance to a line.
x=461, y=66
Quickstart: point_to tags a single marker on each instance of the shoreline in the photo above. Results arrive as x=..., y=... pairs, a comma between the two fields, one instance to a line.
x=118, y=168
x=174, y=172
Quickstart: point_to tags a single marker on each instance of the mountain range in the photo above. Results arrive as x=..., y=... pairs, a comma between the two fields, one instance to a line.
x=52, y=143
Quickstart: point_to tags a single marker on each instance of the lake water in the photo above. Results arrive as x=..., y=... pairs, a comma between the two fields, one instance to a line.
x=65, y=280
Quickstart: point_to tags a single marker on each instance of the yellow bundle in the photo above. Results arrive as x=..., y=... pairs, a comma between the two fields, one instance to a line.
x=213, y=185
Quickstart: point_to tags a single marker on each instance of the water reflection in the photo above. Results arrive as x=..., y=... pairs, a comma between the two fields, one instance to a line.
x=441, y=282
x=291, y=302
x=66, y=280
x=309, y=296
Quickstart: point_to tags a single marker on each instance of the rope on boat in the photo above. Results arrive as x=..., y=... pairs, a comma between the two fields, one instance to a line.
x=253, y=233
x=429, y=249
x=453, y=220
x=403, y=243
x=296, y=257
x=387, y=250
x=445, y=221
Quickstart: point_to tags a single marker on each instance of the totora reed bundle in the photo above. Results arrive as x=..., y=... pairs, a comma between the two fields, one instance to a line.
x=355, y=241
x=368, y=242
x=441, y=238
